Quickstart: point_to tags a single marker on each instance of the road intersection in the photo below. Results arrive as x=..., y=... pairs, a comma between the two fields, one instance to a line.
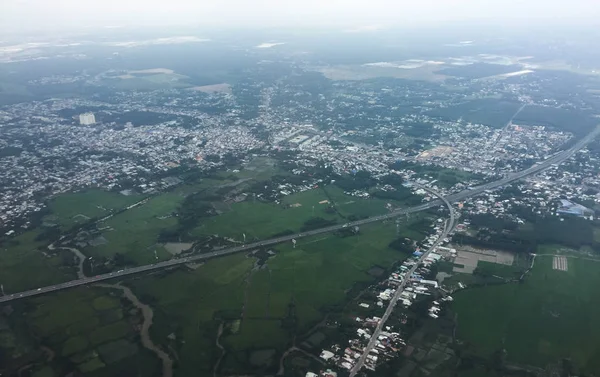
x=452, y=198
x=373, y=341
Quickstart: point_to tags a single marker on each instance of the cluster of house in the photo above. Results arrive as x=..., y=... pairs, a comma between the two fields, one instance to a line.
x=416, y=285
x=323, y=373
x=387, y=346
x=435, y=309
x=409, y=278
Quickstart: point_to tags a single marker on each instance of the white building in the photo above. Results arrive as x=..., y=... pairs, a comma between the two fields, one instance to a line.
x=87, y=119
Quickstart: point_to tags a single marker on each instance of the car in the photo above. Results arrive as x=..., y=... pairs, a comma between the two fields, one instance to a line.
x=39, y=289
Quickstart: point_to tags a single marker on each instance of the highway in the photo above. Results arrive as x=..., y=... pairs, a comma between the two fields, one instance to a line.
x=473, y=191
x=373, y=341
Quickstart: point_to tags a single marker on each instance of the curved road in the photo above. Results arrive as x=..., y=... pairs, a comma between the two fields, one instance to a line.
x=373, y=341
x=555, y=159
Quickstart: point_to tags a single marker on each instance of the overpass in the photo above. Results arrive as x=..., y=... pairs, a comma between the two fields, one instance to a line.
x=554, y=160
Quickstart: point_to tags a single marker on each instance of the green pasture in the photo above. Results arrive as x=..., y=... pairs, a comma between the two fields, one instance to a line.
x=552, y=315
x=134, y=232
x=73, y=208
x=23, y=266
x=79, y=325
x=295, y=290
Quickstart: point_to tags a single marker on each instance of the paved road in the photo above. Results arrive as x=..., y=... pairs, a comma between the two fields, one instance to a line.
x=556, y=159
x=508, y=124
x=373, y=341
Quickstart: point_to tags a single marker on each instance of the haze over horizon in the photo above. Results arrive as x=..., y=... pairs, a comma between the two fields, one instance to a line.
x=29, y=16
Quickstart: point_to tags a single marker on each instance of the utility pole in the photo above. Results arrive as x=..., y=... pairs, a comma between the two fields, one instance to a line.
x=244, y=234
x=2, y=288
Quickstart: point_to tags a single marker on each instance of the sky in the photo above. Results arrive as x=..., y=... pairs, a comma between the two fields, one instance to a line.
x=350, y=15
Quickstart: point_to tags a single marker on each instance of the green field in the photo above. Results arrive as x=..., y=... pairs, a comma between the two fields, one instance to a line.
x=552, y=315
x=85, y=329
x=292, y=293
x=353, y=206
x=23, y=266
x=73, y=208
x=262, y=220
x=186, y=302
x=134, y=232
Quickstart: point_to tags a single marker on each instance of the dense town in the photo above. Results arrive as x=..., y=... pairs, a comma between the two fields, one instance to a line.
x=51, y=147
x=237, y=205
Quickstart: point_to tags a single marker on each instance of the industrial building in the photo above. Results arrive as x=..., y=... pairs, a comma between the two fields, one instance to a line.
x=87, y=119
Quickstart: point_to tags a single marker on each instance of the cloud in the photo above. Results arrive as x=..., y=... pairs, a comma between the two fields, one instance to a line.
x=332, y=14
x=269, y=44
x=365, y=29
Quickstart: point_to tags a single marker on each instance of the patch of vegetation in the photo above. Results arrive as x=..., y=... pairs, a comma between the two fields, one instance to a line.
x=550, y=316
x=260, y=220
x=361, y=180
x=24, y=266
x=479, y=70
x=70, y=209
x=445, y=177
x=292, y=292
x=73, y=326
x=577, y=122
x=488, y=111
x=10, y=151
x=134, y=233
x=573, y=232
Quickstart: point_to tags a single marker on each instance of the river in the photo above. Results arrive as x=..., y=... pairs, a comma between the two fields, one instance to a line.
x=148, y=313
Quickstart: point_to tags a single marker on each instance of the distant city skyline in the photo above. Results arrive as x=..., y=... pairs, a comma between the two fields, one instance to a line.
x=349, y=15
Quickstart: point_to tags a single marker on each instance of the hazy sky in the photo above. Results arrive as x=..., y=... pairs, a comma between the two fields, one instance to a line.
x=28, y=15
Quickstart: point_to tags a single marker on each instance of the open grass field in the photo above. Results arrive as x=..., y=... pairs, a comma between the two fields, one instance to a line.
x=86, y=330
x=552, y=315
x=73, y=208
x=260, y=168
x=513, y=271
x=262, y=220
x=302, y=283
x=134, y=232
x=319, y=270
x=186, y=303
x=348, y=205
x=23, y=266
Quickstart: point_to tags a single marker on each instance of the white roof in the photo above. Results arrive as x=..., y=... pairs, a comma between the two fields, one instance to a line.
x=326, y=355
